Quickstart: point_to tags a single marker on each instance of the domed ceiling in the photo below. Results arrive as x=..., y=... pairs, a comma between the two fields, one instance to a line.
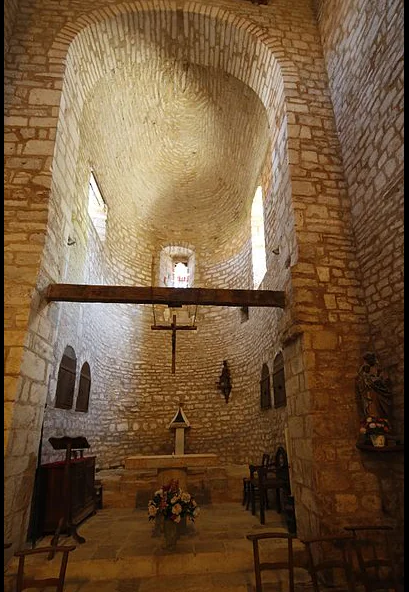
x=176, y=147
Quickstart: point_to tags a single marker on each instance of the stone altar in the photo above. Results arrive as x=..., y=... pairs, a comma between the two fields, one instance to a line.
x=176, y=465
x=172, y=466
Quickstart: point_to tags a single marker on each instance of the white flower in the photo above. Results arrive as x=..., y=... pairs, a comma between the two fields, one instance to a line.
x=194, y=504
x=159, y=492
x=185, y=497
x=196, y=512
x=152, y=510
x=177, y=519
x=177, y=508
x=174, y=499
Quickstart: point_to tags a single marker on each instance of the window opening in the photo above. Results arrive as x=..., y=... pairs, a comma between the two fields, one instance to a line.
x=265, y=388
x=97, y=208
x=258, y=247
x=244, y=313
x=66, y=379
x=176, y=267
x=181, y=275
x=280, y=396
x=84, y=389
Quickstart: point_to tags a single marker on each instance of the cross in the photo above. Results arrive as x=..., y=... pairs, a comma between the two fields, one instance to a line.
x=173, y=327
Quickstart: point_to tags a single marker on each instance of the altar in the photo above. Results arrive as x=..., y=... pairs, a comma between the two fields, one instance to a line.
x=172, y=466
x=199, y=474
x=176, y=465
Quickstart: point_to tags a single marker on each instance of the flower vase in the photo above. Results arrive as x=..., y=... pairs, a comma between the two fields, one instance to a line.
x=170, y=531
x=378, y=440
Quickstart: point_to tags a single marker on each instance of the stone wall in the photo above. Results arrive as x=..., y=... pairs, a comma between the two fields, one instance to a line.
x=10, y=11
x=133, y=394
x=363, y=50
x=275, y=54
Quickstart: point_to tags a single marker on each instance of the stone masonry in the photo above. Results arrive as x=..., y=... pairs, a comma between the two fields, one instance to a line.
x=181, y=109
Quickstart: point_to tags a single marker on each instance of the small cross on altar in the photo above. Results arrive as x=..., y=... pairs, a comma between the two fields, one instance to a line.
x=174, y=327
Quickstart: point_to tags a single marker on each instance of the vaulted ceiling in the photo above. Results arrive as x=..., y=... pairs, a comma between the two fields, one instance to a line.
x=177, y=145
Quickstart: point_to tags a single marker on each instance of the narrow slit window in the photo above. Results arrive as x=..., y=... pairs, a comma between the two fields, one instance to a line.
x=258, y=247
x=97, y=208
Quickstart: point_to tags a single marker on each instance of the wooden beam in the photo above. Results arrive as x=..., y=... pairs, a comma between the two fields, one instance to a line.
x=169, y=296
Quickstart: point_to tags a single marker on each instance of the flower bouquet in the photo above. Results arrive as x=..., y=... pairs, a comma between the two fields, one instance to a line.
x=376, y=428
x=170, y=504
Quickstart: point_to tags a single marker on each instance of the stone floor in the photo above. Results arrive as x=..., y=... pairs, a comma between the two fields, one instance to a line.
x=122, y=555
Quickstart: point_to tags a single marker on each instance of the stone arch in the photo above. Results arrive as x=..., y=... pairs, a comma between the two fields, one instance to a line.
x=258, y=69
x=267, y=83
x=277, y=67
x=227, y=15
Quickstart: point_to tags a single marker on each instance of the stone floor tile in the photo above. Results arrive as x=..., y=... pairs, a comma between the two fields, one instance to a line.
x=121, y=555
x=182, y=583
x=105, y=552
x=129, y=585
x=208, y=546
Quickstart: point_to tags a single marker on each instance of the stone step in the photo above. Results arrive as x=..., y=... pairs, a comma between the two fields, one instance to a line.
x=121, y=547
x=109, y=563
x=125, y=488
x=232, y=582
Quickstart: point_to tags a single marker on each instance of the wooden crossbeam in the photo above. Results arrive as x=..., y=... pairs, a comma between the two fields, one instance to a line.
x=169, y=296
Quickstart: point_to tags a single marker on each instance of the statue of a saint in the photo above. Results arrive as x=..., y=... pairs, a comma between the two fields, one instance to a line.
x=373, y=390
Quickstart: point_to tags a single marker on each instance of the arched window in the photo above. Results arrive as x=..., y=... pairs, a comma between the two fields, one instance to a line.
x=84, y=389
x=280, y=397
x=258, y=246
x=66, y=379
x=97, y=208
x=176, y=267
x=265, y=389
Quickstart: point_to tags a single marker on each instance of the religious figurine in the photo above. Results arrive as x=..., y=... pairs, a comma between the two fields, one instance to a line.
x=224, y=383
x=374, y=396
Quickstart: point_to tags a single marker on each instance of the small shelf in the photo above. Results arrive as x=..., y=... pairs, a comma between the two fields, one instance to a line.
x=370, y=448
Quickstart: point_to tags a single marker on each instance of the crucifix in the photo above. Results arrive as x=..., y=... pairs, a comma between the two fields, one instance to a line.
x=174, y=327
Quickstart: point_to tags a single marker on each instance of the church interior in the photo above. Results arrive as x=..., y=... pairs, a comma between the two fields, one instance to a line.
x=203, y=265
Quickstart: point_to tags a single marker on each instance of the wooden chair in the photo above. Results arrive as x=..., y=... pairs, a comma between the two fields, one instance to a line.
x=265, y=462
x=334, y=569
x=273, y=477
x=24, y=582
x=377, y=569
x=272, y=565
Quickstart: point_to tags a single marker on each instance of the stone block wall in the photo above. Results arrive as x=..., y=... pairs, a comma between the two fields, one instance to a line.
x=277, y=53
x=10, y=11
x=363, y=50
x=133, y=394
x=368, y=105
